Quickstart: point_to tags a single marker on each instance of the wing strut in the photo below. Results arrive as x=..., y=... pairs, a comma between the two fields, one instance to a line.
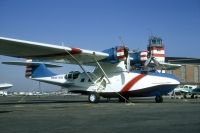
x=101, y=69
x=79, y=63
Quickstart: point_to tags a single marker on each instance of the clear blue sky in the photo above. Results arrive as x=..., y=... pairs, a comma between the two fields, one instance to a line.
x=97, y=25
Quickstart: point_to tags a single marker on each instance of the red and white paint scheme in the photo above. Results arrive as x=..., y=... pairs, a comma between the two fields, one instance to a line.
x=121, y=53
x=158, y=53
x=112, y=76
x=143, y=55
x=156, y=48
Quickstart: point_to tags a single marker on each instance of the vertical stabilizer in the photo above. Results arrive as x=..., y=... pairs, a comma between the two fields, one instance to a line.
x=37, y=70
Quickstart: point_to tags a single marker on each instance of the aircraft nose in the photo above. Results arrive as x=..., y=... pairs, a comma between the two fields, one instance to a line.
x=174, y=80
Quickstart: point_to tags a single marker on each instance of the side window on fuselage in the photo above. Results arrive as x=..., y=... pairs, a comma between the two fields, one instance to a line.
x=76, y=74
x=69, y=76
x=83, y=79
x=72, y=75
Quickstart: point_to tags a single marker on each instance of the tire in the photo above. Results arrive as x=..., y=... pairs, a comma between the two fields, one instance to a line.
x=159, y=99
x=93, y=97
x=184, y=96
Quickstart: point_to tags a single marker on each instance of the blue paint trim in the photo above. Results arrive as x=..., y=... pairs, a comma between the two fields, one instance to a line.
x=164, y=75
x=147, y=92
x=156, y=73
x=153, y=91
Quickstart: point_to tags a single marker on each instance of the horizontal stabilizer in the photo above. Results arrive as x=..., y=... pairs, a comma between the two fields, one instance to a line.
x=23, y=63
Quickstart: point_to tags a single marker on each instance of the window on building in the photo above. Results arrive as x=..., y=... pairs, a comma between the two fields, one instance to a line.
x=153, y=41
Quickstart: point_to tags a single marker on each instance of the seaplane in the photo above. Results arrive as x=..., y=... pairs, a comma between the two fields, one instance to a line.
x=118, y=72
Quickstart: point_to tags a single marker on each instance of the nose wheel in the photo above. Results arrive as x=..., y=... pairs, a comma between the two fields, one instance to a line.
x=159, y=99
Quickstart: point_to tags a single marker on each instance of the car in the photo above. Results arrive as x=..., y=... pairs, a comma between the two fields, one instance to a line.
x=194, y=92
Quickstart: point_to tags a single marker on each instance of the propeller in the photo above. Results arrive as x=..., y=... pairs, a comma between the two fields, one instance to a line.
x=151, y=62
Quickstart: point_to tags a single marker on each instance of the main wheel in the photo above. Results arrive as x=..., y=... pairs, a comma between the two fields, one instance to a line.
x=159, y=99
x=185, y=95
x=93, y=97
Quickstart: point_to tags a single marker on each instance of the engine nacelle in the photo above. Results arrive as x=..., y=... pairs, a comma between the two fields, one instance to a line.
x=131, y=59
x=143, y=56
x=119, y=53
x=137, y=59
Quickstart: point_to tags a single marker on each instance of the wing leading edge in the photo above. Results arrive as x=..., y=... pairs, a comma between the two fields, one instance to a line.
x=47, y=52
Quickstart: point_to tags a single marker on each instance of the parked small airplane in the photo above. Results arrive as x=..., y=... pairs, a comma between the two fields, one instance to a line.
x=187, y=90
x=4, y=86
x=118, y=72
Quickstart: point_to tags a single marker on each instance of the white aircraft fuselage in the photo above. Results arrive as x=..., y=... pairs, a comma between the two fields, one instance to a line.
x=120, y=82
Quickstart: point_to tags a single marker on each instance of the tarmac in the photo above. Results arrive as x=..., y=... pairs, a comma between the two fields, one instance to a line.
x=73, y=114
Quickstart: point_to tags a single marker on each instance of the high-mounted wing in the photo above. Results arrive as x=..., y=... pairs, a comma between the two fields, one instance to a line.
x=22, y=63
x=48, y=52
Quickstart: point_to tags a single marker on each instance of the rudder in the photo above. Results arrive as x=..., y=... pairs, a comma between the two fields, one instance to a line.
x=37, y=70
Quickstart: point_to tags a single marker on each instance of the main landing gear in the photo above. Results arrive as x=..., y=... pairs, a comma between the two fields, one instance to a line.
x=93, y=97
x=123, y=99
x=159, y=99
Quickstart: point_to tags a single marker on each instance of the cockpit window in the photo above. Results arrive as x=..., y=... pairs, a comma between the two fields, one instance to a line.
x=76, y=74
x=72, y=75
x=69, y=76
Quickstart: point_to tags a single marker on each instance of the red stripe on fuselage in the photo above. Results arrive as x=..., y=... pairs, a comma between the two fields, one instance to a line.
x=132, y=82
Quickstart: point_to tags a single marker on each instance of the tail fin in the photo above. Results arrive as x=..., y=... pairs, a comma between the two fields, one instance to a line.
x=35, y=69
x=38, y=70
